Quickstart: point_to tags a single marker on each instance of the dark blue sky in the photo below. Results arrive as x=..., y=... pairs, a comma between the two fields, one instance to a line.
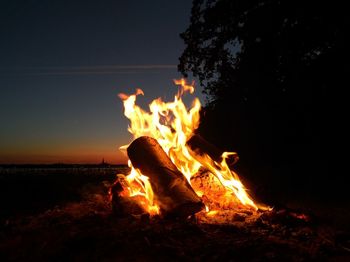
x=62, y=64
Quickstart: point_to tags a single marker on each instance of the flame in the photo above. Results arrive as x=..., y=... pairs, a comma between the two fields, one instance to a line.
x=139, y=185
x=172, y=124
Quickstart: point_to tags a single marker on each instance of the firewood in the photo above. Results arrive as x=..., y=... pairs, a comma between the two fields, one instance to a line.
x=172, y=192
x=201, y=146
x=124, y=205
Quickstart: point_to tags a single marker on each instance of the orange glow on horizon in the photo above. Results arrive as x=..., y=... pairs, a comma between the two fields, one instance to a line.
x=67, y=155
x=37, y=159
x=44, y=159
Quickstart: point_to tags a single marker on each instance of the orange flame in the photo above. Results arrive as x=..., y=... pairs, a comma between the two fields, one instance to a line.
x=172, y=125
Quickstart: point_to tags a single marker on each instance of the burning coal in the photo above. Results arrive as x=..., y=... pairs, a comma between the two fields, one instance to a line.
x=159, y=183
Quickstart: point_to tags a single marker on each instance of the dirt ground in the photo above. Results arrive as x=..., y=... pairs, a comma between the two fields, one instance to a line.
x=80, y=226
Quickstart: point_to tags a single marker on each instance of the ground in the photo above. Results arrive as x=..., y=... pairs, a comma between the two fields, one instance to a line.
x=78, y=225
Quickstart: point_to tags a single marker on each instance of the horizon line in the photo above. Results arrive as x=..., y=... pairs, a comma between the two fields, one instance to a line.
x=62, y=163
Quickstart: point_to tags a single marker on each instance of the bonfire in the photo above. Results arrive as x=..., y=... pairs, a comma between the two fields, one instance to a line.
x=174, y=171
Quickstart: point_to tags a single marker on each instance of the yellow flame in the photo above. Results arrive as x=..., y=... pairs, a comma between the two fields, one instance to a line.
x=172, y=125
x=212, y=213
x=139, y=185
x=227, y=177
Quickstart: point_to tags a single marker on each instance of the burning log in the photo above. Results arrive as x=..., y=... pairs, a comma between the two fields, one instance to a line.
x=172, y=192
x=201, y=146
x=123, y=205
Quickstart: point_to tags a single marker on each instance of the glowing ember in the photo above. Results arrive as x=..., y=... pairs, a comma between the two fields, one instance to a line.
x=172, y=125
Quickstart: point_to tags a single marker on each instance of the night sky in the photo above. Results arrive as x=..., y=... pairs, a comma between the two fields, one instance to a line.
x=62, y=65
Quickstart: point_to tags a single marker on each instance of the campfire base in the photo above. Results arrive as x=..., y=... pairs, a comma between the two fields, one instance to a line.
x=88, y=231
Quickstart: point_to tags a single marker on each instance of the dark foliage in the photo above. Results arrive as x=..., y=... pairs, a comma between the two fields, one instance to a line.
x=273, y=72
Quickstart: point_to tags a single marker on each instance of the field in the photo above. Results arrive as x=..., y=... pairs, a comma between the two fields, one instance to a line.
x=30, y=190
x=63, y=214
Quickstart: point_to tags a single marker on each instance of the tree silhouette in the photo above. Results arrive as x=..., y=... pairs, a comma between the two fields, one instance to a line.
x=270, y=70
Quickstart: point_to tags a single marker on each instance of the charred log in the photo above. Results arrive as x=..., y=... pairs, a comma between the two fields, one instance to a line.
x=201, y=146
x=173, y=193
x=123, y=206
